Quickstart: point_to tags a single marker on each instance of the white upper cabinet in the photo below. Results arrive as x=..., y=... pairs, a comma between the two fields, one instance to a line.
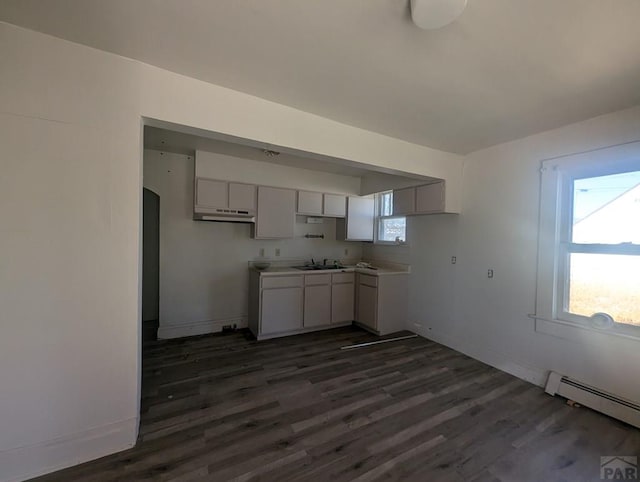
x=335, y=205
x=242, y=197
x=404, y=201
x=358, y=224
x=211, y=193
x=319, y=204
x=427, y=199
x=276, y=213
x=430, y=198
x=310, y=203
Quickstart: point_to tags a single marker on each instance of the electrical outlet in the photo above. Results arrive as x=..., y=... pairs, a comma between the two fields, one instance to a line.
x=262, y=252
x=346, y=251
x=453, y=260
x=277, y=251
x=490, y=273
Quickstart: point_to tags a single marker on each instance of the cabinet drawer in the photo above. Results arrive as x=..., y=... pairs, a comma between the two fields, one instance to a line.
x=368, y=280
x=343, y=277
x=317, y=279
x=281, y=281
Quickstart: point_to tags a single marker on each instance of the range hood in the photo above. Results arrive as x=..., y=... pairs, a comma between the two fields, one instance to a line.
x=226, y=216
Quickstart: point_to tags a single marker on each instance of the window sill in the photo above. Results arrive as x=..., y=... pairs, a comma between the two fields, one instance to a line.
x=569, y=330
x=390, y=243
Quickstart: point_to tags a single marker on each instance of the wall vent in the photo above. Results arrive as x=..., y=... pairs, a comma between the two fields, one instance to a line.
x=594, y=398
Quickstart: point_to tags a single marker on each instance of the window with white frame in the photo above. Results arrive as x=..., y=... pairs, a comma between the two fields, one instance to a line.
x=390, y=228
x=589, y=247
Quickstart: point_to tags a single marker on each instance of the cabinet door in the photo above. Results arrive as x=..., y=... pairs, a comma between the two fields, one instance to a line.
x=276, y=213
x=404, y=201
x=430, y=198
x=242, y=196
x=310, y=202
x=212, y=194
x=281, y=310
x=317, y=305
x=367, y=305
x=342, y=302
x=360, y=212
x=335, y=205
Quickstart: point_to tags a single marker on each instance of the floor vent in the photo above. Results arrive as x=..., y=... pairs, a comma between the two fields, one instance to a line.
x=591, y=397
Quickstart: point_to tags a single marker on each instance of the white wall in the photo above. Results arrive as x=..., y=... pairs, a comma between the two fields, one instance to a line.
x=374, y=182
x=487, y=318
x=70, y=191
x=204, y=282
x=214, y=165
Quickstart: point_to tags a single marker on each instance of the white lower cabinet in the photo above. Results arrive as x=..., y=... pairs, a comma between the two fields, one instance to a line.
x=279, y=302
x=289, y=304
x=367, y=304
x=317, y=305
x=342, y=297
x=281, y=309
x=382, y=303
x=317, y=300
x=286, y=304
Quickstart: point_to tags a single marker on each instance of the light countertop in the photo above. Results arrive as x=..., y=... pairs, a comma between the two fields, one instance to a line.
x=382, y=269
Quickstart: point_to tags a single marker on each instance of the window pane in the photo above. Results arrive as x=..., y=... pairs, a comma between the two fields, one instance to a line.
x=605, y=283
x=606, y=209
x=386, y=204
x=392, y=229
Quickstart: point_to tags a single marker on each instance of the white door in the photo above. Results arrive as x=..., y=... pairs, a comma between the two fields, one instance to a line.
x=430, y=198
x=211, y=193
x=276, y=213
x=360, y=212
x=242, y=196
x=317, y=305
x=281, y=310
x=367, y=305
x=335, y=205
x=310, y=203
x=404, y=201
x=342, y=302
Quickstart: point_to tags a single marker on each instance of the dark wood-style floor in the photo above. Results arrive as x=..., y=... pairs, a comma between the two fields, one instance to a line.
x=224, y=407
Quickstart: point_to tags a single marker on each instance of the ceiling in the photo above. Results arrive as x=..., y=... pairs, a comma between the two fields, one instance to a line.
x=503, y=70
x=183, y=143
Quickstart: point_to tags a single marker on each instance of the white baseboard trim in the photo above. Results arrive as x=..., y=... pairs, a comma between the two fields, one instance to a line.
x=302, y=331
x=30, y=461
x=192, y=328
x=500, y=360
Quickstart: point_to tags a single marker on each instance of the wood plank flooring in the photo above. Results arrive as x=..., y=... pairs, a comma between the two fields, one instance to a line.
x=224, y=407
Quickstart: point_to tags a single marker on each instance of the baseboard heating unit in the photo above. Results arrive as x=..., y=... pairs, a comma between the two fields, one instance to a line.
x=596, y=399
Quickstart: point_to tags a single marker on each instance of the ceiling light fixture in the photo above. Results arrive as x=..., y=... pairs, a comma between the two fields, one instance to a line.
x=432, y=14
